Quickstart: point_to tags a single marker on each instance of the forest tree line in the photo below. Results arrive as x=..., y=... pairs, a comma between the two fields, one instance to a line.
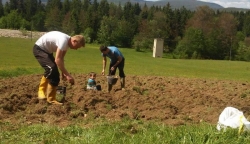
x=201, y=34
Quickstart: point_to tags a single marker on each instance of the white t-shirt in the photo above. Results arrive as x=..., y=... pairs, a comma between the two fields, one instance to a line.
x=50, y=41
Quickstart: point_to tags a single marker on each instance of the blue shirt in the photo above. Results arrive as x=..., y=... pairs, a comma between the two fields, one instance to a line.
x=113, y=53
x=91, y=83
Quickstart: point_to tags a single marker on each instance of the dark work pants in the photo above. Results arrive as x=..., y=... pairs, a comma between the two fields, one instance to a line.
x=47, y=61
x=120, y=67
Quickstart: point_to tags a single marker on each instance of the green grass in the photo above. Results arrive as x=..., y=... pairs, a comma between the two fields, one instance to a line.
x=17, y=54
x=125, y=132
x=17, y=59
x=122, y=133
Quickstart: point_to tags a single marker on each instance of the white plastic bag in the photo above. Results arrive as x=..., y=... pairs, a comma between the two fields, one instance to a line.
x=232, y=117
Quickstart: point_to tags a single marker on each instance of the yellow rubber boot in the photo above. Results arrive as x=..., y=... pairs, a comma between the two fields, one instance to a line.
x=42, y=88
x=51, y=95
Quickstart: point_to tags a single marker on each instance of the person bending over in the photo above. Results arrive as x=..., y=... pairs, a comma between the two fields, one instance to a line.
x=117, y=60
x=58, y=43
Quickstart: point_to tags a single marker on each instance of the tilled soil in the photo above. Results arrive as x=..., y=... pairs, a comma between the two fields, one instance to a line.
x=169, y=100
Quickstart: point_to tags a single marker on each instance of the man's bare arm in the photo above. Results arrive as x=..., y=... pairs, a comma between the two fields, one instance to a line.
x=59, y=60
x=118, y=61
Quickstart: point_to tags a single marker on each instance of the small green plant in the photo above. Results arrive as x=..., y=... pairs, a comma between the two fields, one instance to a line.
x=243, y=95
x=109, y=106
x=77, y=113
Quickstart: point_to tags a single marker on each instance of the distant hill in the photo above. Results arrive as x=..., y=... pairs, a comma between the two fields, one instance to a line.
x=175, y=4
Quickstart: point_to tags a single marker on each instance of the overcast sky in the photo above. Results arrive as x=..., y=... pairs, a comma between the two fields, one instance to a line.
x=228, y=3
x=231, y=3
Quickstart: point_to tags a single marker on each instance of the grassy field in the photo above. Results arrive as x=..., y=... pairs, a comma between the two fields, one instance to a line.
x=17, y=59
x=126, y=132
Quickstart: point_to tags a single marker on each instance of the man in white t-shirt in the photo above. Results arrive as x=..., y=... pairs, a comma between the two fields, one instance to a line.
x=58, y=43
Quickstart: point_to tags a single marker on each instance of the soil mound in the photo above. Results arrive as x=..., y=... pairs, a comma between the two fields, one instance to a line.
x=168, y=100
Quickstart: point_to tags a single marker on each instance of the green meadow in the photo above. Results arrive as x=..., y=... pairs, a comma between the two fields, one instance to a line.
x=17, y=59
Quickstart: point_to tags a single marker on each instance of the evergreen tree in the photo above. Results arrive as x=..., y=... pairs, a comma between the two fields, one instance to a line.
x=76, y=6
x=66, y=7
x=13, y=4
x=20, y=7
x=1, y=9
x=38, y=21
x=128, y=12
x=52, y=4
x=30, y=9
x=7, y=8
x=169, y=27
x=86, y=4
x=137, y=9
x=76, y=14
x=95, y=5
x=123, y=33
x=75, y=18
x=105, y=33
x=246, y=26
x=115, y=11
x=144, y=12
x=103, y=8
x=53, y=20
x=68, y=25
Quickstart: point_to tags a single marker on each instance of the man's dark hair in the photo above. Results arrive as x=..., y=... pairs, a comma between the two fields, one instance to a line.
x=103, y=48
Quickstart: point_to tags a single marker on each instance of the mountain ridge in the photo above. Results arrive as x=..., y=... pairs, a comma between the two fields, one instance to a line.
x=175, y=4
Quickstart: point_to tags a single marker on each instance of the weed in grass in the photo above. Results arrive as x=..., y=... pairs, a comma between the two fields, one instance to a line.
x=145, y=92
x=125, y=116
x=243, y=95
x=76, y=113
x=60, y=97
x=73, y=105
x=109, y=106
x=141, y=91
x=136, y=115
x=187, y=118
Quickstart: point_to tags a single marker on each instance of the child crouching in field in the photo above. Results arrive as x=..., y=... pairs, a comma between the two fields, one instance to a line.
x=92, y=83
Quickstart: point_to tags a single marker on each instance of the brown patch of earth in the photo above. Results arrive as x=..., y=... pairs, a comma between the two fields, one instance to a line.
x=168, y=100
